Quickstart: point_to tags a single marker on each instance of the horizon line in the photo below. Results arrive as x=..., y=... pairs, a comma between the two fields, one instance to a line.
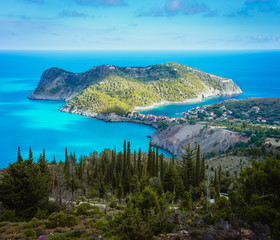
x=226, y=49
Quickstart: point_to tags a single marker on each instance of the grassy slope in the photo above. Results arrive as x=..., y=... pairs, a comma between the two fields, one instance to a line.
x=95, y=101
x=145, y=86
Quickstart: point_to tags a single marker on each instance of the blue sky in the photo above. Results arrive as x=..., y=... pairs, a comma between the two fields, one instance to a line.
x=139, y=24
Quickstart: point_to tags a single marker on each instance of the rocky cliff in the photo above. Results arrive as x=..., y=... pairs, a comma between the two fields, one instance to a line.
x=210, y=138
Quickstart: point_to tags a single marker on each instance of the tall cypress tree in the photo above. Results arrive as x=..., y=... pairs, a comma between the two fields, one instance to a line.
x=30, y=158
x=187, y=166
x=202, y=173
x=150, y=159
x=134, y=163
x=139, y=164
x=157, y=162
x=128, y=157
x=197, y=166
x=173, y=157
x=161, y=166
x=153, y=163
x=44, y=154
x=19, y=158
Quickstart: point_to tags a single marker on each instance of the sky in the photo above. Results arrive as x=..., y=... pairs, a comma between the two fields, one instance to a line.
x=139, y=24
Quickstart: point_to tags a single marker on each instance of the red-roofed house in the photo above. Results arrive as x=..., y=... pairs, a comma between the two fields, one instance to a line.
x=255, y=109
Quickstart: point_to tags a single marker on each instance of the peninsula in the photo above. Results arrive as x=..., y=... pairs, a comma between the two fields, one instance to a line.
x=107, y=88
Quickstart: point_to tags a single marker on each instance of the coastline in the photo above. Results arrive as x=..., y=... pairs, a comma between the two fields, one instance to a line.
x=165, y=103
x=107, y=117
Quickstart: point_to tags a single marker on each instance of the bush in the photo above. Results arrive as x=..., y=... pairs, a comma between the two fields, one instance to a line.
x=8, y=215
x=29, y=233
x=83, y=209
x=33, y=223
x=41, y=214
x=62, y=219
x=113, y=204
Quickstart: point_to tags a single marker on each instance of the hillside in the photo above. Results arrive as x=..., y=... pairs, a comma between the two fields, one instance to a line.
x=134, y=86
x=213, y=140
x=252, y=109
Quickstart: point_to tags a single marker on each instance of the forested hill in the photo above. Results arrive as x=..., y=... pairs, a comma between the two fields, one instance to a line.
x=134, y=86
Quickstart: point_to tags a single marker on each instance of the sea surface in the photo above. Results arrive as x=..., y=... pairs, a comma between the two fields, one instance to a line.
x=39, y=124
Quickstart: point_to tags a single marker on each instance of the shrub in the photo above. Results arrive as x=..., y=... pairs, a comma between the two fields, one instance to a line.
x=41, y=214
x=29, y=233
x=83, y=209
x=61, y=219
x=33, y=223
x=8, y=215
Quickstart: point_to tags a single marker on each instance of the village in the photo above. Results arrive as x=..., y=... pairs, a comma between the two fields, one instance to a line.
x=202, y=113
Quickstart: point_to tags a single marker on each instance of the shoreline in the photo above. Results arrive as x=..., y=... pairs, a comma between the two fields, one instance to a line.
x=108, y=118
x=165, y=103
x=192, y=100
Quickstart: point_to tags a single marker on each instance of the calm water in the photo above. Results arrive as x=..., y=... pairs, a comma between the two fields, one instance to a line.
x=40, y=125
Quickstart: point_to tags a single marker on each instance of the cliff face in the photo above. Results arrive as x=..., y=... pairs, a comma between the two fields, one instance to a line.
x=209, y=138
x=58, y=84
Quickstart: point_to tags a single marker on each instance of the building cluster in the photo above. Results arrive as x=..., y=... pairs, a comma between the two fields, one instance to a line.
x=197, y=114
x=226, y=115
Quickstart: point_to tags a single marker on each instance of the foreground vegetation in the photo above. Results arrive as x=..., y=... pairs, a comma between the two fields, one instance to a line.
x=138, y=196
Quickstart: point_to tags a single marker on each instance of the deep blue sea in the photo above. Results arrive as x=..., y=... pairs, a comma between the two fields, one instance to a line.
x=39, y=124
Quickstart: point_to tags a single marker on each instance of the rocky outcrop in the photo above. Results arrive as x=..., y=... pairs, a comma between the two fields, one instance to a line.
x=209, y=138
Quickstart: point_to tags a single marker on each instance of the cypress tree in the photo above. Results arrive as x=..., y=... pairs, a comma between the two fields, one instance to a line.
x=197, y=166
x=216, y=186
x=119, y=165
x=150, y=159
x=19, y=158
x=187, y=166
x=157, y=162
x=124, y=153
x=173, y=157
x=202, y=173
x=161, y=166
x=44, y=155
x=30, y=158
x=128, y=157
x=139, y=164
x=135, y=163
x=153, y=163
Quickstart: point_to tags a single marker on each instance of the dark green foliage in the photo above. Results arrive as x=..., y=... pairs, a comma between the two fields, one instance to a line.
x=187, y=167
x=258, y=196
x=25, y=187
x=61, y=219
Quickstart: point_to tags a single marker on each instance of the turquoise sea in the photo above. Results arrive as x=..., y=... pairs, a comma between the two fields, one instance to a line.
x=39, y=124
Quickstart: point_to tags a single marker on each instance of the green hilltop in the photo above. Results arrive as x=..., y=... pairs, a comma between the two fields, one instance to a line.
x=130, y=87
